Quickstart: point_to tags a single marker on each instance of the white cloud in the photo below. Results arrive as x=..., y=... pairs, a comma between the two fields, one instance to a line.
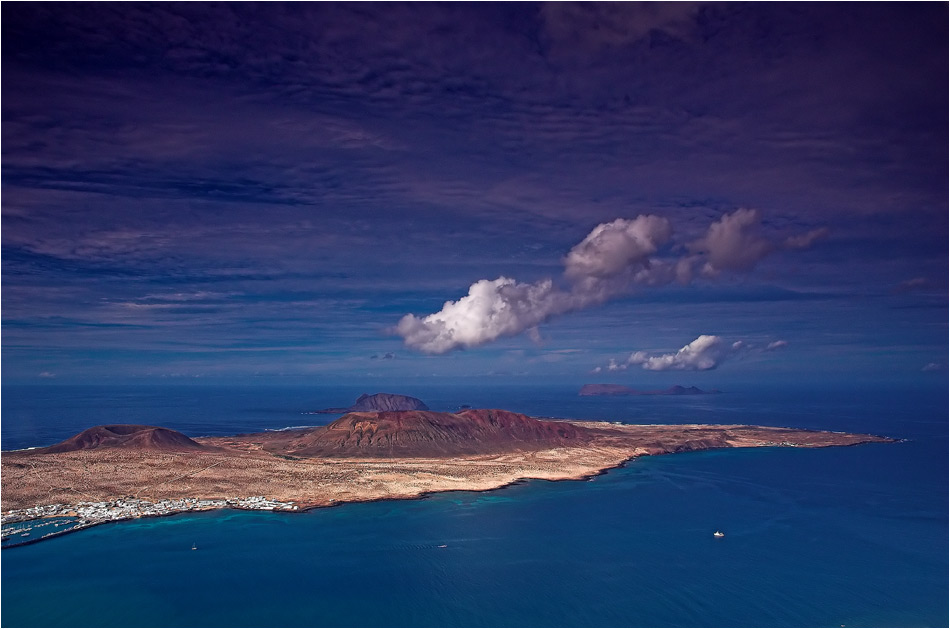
x=492, y=308
x=706, y=352
x=608, y=261
x=621, y=247
x=47, y=374
x=611, y=260
x=774, y=345
x=931, y=367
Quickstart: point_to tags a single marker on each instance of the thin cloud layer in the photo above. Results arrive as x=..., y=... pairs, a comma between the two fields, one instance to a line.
x=613, y=259
x=806, y=240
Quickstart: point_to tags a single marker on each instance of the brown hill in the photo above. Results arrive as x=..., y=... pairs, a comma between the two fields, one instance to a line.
x=388, y=402
x=381, y=402
x=126, y=436
x=432, y=434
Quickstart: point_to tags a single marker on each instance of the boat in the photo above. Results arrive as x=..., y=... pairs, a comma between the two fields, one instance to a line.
x=194, y=546
x=443, y=546
x=719, y=533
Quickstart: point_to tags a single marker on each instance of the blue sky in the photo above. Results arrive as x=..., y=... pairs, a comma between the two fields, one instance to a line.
x=263, y=192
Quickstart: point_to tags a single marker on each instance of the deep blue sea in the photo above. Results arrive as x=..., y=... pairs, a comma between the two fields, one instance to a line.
x=832, y=537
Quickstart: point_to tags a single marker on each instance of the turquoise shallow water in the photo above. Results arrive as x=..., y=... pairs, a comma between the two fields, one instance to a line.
x=840, y=536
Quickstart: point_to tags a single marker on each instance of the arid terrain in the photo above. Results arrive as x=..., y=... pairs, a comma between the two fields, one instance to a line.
x=361, y=456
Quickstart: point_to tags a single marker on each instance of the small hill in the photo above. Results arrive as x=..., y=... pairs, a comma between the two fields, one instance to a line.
x=431, y=434
x=125, y=436
x=381, y=402
x=388, y=402
x=606, y=389
x=678, y=390
x=617, y=389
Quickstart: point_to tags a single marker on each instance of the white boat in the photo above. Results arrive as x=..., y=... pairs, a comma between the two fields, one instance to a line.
x=719, y=534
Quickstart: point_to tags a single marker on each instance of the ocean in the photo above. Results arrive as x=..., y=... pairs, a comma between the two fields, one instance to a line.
x=854, y=536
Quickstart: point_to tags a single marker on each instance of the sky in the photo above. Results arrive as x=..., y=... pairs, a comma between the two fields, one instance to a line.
x=644, y=194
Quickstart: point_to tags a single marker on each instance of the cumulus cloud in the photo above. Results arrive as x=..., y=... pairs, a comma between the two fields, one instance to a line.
x=736, y=243
x=618, y=255
x=707, y=352
x=608, y=261
x=621, y=248
x=613, y=259
x=492, y=308
x=733, y=243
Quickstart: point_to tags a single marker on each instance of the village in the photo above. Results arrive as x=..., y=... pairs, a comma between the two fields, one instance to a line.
x=85, y=514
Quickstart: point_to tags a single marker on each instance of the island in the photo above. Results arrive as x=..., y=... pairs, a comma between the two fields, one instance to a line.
x=116, y=472
x=380, y=402
x=619, y=389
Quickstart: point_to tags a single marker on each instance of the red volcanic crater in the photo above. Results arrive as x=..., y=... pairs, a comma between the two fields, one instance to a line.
x=432, y=434
x=125, y=436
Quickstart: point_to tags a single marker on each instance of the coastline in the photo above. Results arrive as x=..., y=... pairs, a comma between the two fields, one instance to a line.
x=117, y=484
x=17, y=516
x=292, y=509
x=87, y=524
